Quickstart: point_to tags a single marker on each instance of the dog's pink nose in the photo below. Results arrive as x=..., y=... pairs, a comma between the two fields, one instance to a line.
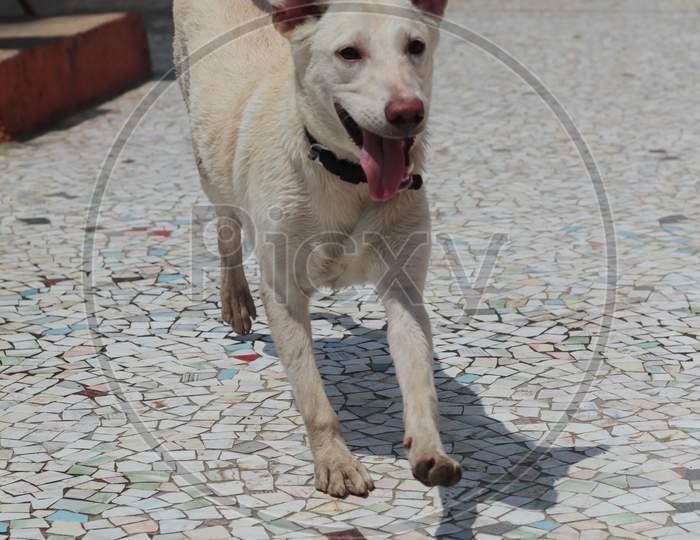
x=405, y=112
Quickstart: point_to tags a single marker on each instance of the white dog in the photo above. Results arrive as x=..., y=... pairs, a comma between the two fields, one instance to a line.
x=309, y=135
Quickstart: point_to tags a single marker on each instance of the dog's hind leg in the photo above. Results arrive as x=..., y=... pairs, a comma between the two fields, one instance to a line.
x=237, y=306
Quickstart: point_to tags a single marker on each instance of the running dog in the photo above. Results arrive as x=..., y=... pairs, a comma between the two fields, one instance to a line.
x=309, y=134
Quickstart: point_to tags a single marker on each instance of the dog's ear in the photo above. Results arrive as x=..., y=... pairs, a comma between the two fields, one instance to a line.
x=434, y=7
x=288, y=14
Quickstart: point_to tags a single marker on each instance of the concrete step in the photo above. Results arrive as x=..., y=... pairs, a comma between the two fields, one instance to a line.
x=51, y=67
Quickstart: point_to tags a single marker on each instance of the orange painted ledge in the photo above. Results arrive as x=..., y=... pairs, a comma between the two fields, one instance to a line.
x=53, y=67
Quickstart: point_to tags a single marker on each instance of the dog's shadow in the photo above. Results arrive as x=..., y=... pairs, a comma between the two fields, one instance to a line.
x=498, y=464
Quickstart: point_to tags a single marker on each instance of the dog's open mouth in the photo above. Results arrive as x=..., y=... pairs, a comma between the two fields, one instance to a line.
x=385, y=160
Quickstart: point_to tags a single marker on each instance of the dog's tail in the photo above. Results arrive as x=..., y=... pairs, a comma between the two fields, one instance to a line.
x=181, y=63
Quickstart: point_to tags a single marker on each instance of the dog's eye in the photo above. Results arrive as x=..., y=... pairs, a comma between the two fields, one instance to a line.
x=415, y=46
x=349, y=53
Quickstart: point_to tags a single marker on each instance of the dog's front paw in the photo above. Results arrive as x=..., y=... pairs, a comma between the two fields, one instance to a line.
x=339, y=474
x=436, y=469
x=238, y=308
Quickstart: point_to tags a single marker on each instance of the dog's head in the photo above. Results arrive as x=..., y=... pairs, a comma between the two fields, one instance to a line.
x=364, y=74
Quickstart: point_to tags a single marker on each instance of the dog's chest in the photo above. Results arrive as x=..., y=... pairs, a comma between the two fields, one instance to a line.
x=338, y=258
x=335, y=266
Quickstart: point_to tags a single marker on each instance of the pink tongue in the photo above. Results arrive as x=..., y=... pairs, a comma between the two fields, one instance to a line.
x=384, y=164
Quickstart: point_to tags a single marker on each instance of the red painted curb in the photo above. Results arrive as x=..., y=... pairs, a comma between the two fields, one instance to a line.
x=41, y=84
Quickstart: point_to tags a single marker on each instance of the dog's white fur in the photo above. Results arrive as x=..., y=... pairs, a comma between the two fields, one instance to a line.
x=249, y=101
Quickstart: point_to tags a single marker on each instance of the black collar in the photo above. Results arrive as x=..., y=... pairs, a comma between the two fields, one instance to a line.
x=346, y=170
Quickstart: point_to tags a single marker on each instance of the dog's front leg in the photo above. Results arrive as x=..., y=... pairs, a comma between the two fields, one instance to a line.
x=410, y=342
x=337, y=472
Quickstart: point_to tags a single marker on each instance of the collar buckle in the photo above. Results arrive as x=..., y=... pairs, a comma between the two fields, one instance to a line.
x=315, y=152
x=348, y=171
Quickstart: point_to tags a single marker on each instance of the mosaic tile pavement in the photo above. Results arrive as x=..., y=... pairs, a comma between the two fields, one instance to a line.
x=130, y=411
